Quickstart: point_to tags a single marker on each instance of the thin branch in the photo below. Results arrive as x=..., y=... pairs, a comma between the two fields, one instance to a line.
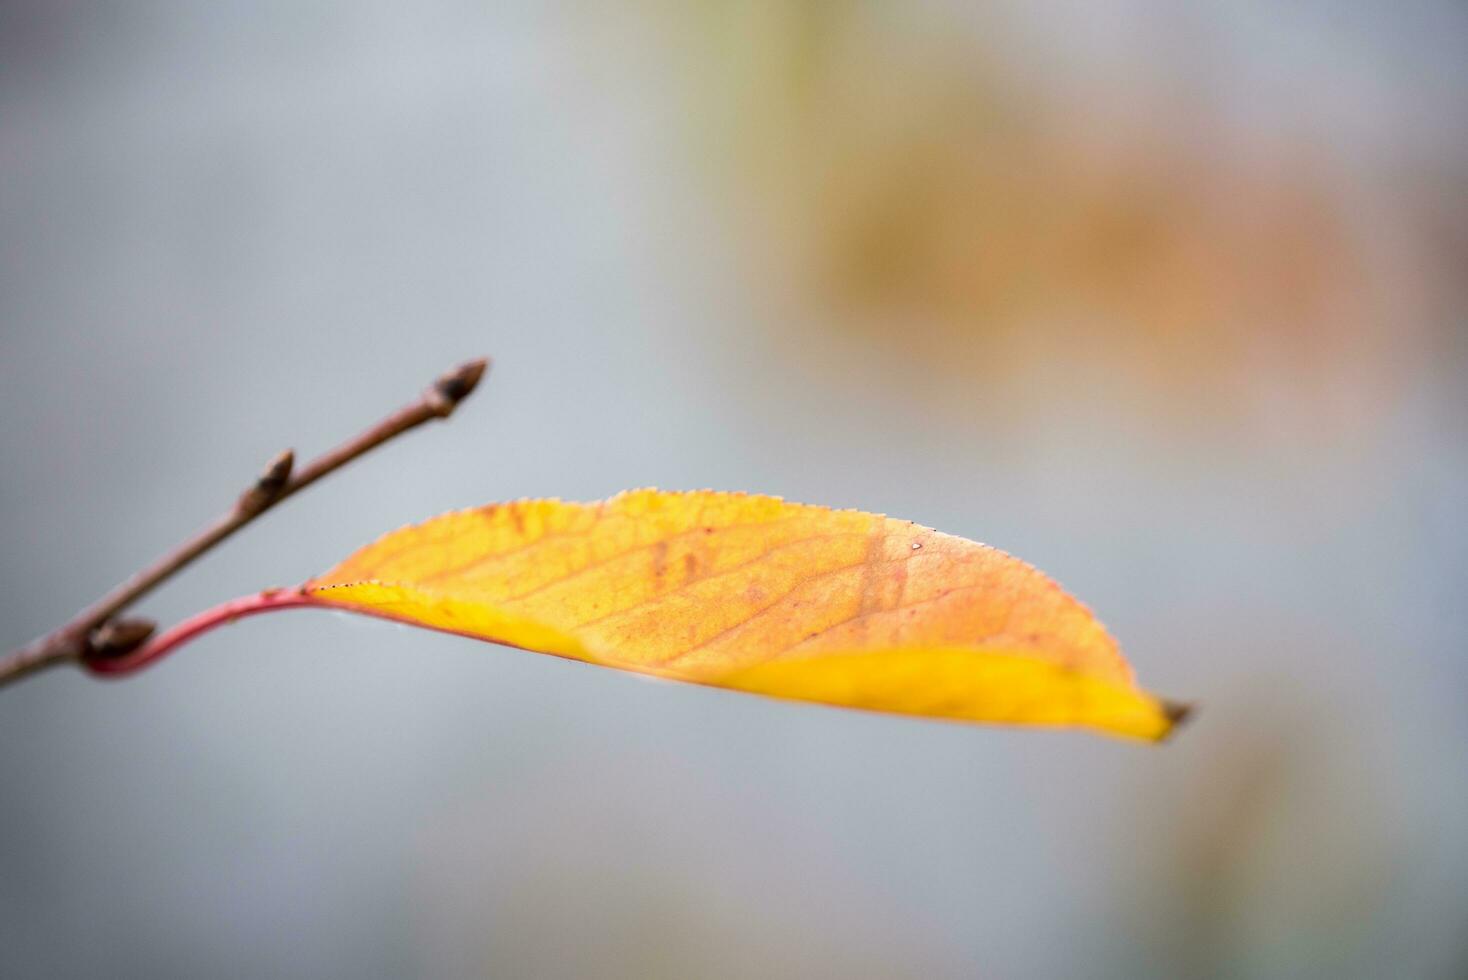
x=95, y=633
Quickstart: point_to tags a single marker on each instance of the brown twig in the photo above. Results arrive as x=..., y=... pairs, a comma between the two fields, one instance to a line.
x=96, y=632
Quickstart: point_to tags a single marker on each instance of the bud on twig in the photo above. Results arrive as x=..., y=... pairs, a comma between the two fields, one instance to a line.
x=269, y=484
x=119, y=636
x=454, y=387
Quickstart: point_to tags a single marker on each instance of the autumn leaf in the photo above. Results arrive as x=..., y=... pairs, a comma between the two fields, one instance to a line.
x=756, y=594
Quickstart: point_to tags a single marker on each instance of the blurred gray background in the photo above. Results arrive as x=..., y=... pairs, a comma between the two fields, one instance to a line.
x=1170, y=302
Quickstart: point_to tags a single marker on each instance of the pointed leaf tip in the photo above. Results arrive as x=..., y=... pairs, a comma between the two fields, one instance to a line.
x=1178, y=713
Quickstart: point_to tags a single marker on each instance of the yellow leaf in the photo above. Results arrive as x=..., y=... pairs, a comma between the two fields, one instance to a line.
x=756, y=594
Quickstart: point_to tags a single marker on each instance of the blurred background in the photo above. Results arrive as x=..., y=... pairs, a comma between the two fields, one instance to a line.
x=1171, y=300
